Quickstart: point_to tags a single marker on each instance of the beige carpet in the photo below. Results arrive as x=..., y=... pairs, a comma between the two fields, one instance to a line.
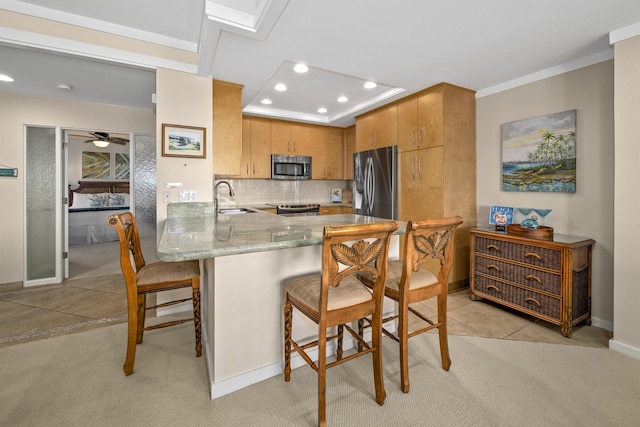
x=77, y=380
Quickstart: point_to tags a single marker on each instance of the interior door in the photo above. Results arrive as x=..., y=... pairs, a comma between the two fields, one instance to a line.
x=43, y=206
x=65, y=204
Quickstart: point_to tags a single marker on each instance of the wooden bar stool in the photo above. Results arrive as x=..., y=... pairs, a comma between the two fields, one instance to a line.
x=143, y=279
x=407, y=283
x=335, y=297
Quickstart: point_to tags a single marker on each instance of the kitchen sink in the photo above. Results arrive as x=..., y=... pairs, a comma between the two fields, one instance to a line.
x=234, y=211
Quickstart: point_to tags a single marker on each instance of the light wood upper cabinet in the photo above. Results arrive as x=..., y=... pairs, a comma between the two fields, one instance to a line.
x=227, y=128
x=431, y=111
x=349, y=149
x=327, y=152
x=377, y=129
x=289, y=138
x=256, y=148
x=408, y=124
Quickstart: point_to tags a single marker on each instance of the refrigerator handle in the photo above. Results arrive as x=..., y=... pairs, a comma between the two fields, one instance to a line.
x=369, y=185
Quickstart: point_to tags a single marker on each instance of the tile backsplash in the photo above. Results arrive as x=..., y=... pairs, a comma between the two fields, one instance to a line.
x=263, y=191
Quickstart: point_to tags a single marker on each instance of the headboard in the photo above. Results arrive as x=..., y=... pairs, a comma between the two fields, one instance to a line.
x=89, y=187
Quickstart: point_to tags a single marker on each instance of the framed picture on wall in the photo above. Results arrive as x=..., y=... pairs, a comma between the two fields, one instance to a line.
x=539, y=153
x=184, y=141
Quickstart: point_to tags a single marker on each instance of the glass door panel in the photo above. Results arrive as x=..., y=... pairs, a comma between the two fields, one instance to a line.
x=43, y=206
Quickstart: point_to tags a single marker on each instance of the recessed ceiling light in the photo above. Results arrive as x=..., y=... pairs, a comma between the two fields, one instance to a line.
x=5, y=78
x=281, y=87
x=63, y=87
x=343, y=99
x=300, y=68
x=322, y=110
x=266, y=101
x=370, y=85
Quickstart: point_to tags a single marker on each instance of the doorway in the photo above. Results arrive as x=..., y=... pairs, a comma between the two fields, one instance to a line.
x=53, y=164
x=118, y=158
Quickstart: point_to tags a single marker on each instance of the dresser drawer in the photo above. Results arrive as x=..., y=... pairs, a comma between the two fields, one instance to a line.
x=528, y=254
x=536, y=279
x=539, y=303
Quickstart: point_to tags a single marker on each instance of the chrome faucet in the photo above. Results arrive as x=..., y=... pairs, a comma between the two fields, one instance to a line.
x=215, y=195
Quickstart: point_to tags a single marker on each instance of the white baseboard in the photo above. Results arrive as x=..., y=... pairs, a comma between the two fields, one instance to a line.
x=624, y=349
x=221, y=388
x=608, y=326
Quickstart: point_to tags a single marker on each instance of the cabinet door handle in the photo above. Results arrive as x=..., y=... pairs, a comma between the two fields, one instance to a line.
x=420, y=166
x=413, y=137
x=493, y=267
x=494, y=247
x=532, y=277
x=495, y=288
x=294, y=146
x=254, y=168
x=247, y=168
x=413, y=168
x=533, y=300
x=533, y=255
x=420, y=137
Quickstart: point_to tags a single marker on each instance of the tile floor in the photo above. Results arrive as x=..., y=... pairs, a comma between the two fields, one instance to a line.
x=95, y=297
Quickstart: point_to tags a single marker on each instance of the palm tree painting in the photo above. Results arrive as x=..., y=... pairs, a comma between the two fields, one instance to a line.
x=539, y=153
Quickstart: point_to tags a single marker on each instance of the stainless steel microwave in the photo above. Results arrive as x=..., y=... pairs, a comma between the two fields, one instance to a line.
x=290, y=167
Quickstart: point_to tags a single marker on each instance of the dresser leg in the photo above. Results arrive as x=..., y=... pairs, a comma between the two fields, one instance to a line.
x=474, y=297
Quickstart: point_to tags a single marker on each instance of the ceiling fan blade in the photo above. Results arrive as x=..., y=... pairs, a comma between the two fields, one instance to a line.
x=100, y=135
x=118, y=140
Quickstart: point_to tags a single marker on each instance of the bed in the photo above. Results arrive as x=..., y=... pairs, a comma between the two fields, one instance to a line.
x=90, y=204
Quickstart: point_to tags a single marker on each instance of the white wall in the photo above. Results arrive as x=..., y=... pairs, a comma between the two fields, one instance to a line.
x=589, y=211
x=187, y=100
x=626, y=334
x=19, y=110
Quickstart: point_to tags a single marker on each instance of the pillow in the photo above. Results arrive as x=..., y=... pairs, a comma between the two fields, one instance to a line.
x=118, y=199
x=99, y=200
x=82, y=201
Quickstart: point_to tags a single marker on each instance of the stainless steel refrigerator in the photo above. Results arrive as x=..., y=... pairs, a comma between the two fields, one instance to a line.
x=375, y=175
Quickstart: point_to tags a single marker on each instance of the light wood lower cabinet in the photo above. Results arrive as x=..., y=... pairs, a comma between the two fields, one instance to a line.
x=335, y=210
x=421, y=181
x=550, y=280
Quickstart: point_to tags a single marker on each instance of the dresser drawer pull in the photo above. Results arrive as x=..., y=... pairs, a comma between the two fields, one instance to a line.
x=495, y=288
x=493, y=267
x=494, y=247
x=533, y=300
x=532, y=277
x=533, y=255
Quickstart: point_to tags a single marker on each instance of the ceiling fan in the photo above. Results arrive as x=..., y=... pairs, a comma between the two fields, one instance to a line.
x=103, y=139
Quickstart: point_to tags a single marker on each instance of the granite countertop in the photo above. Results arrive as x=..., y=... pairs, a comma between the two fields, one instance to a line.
x=195, y=234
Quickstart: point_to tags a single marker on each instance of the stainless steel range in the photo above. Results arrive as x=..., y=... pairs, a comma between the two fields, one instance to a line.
x=298, y=209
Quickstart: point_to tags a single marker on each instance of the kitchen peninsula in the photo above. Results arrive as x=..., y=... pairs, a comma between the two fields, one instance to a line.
x=245, y=257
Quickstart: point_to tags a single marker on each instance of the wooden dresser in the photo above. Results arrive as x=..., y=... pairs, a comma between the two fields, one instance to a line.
x=550, y=280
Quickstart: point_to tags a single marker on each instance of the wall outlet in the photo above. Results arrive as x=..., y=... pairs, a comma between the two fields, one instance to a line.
x=166, y=196
x=188, y=196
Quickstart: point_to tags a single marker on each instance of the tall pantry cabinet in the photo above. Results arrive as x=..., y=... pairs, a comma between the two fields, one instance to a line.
x=437, y=163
